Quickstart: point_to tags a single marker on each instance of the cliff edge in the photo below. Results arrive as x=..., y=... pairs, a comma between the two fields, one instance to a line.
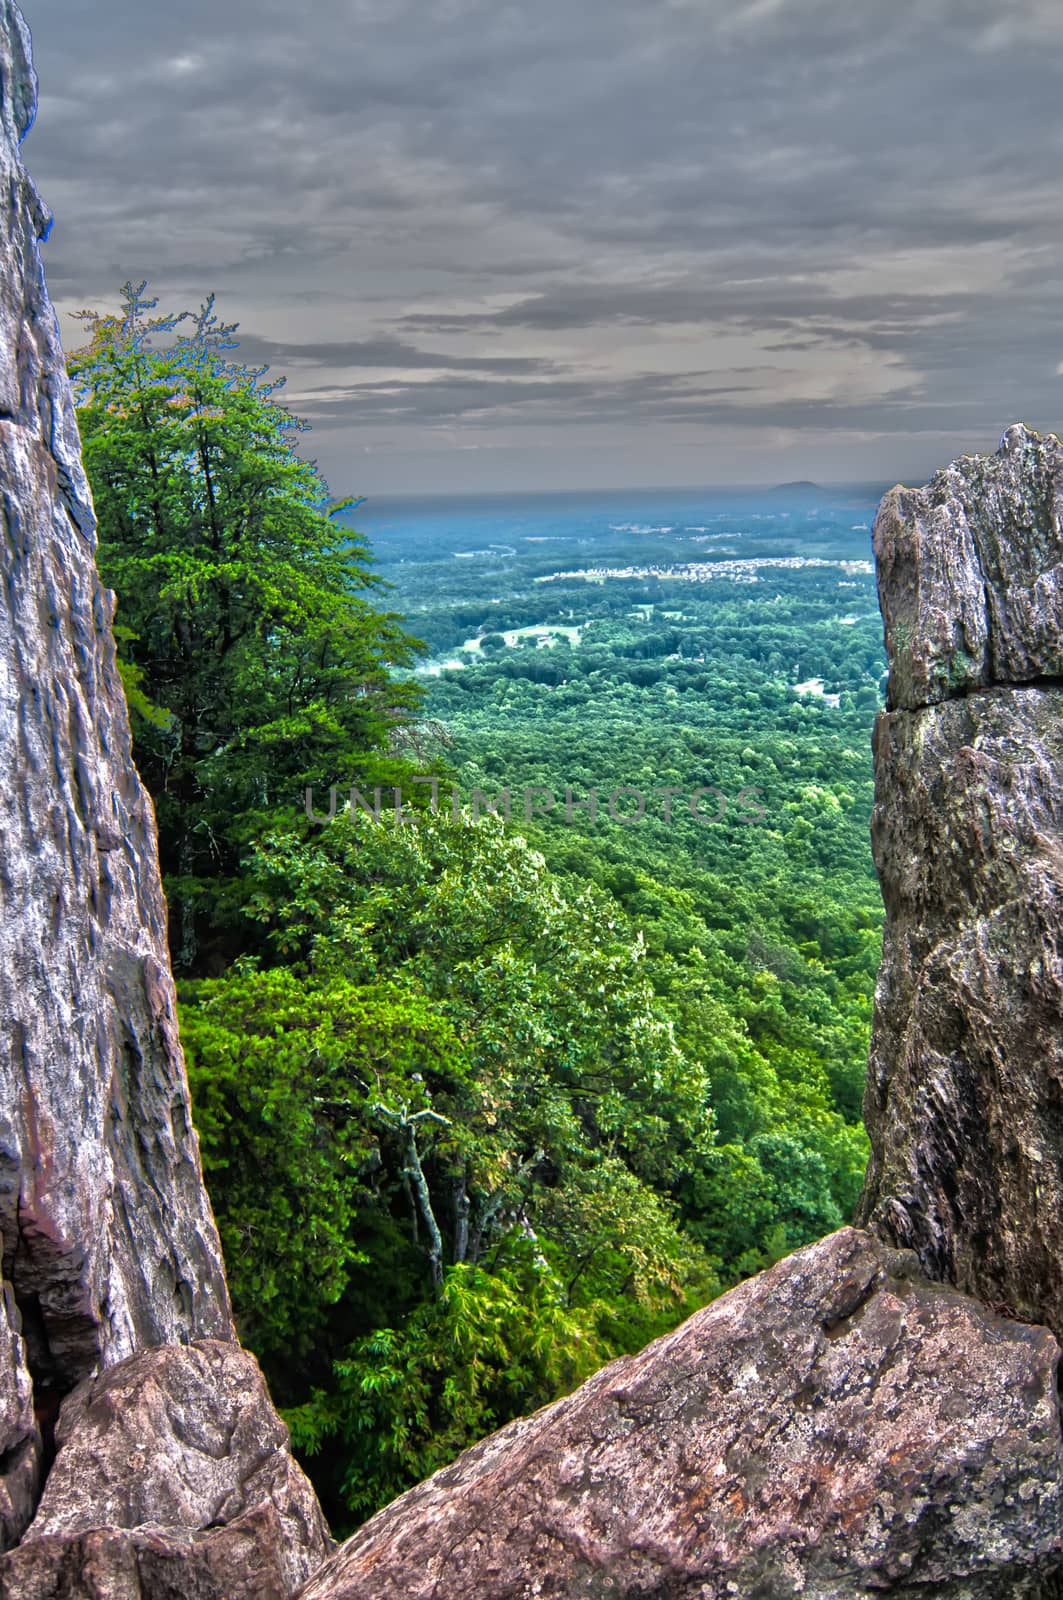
x=108, y=1239
x=112, y=1277
x=964, y=1101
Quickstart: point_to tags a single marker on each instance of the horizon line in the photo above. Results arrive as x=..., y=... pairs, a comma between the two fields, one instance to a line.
x=880, y=486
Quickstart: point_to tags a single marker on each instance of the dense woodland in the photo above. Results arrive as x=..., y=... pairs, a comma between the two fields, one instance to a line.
x=482, y=1102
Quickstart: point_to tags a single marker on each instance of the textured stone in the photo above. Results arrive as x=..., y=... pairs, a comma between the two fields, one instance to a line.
x=837, y=1426
x=970, y=573
x=20, y=1438
x=242, y=1561
x=108, y=1238
x=964, y=1100
x=181, y=1447
x=173, y=1476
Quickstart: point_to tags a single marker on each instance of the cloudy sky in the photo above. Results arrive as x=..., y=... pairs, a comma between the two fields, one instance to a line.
x=582, y=243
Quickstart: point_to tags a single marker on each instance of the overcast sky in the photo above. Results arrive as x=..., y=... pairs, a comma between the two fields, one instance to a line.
x=582, y=242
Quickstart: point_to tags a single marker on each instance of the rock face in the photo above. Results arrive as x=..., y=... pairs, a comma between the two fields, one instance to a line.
x=173, y=1477
x=108, y=1239
x=969, y=570
x=964, y=1099
x=20, y=1441
x=837, y=1426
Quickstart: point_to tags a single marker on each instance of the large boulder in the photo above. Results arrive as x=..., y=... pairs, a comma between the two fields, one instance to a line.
x=837, y=1426
x=970, y=573
x=173, y=1477
x=964, y=1100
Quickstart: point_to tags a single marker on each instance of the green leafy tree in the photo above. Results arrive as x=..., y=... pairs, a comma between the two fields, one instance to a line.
x=461, y=1089
x=245, y=604
x=405, y=1401
x=294, y=1086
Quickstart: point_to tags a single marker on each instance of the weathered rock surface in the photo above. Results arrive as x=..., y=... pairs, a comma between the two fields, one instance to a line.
x=236, y=1562
x=837, y=1426
x=108, y=1239
x=173, y=1477
x=20, y=1439
x=964, y=1100
x=970, y=573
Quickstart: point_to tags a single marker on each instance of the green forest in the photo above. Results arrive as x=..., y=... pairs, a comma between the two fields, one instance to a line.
x=489, y=1089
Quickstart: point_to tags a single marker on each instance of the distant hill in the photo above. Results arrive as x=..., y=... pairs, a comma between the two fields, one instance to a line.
x=802, y=486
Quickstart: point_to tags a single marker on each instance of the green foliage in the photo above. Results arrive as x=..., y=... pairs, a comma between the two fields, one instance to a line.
x=761, y=928
x=286, y=1077
x=463, y=1070
x=244, y=603
x=481, y=1104
x=132, y=678
x=491, y=1346
x=543, y=982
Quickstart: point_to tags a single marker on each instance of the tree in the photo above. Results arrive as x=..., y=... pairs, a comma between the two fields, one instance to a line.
x=441, y=1139
x=259, y=664
x=299, y=1088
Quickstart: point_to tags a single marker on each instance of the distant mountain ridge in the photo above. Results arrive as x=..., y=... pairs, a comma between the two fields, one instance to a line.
x=799, y=486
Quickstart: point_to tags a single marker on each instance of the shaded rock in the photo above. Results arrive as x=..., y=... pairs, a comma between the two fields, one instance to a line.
x=239, y=1562
x=107, y=1234
x=964, y=1100
x=970, y=573
x=173, y=1473
x=836, y=1426
x=20, y=1438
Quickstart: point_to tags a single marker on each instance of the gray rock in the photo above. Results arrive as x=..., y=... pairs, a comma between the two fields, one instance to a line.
x=173, y=1472
x=241, y=1561
x=835, y=1427
x=173, y=1476
x=21, y=1446
x=964, y=1100
x=970, y=573
x=108, y=1238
